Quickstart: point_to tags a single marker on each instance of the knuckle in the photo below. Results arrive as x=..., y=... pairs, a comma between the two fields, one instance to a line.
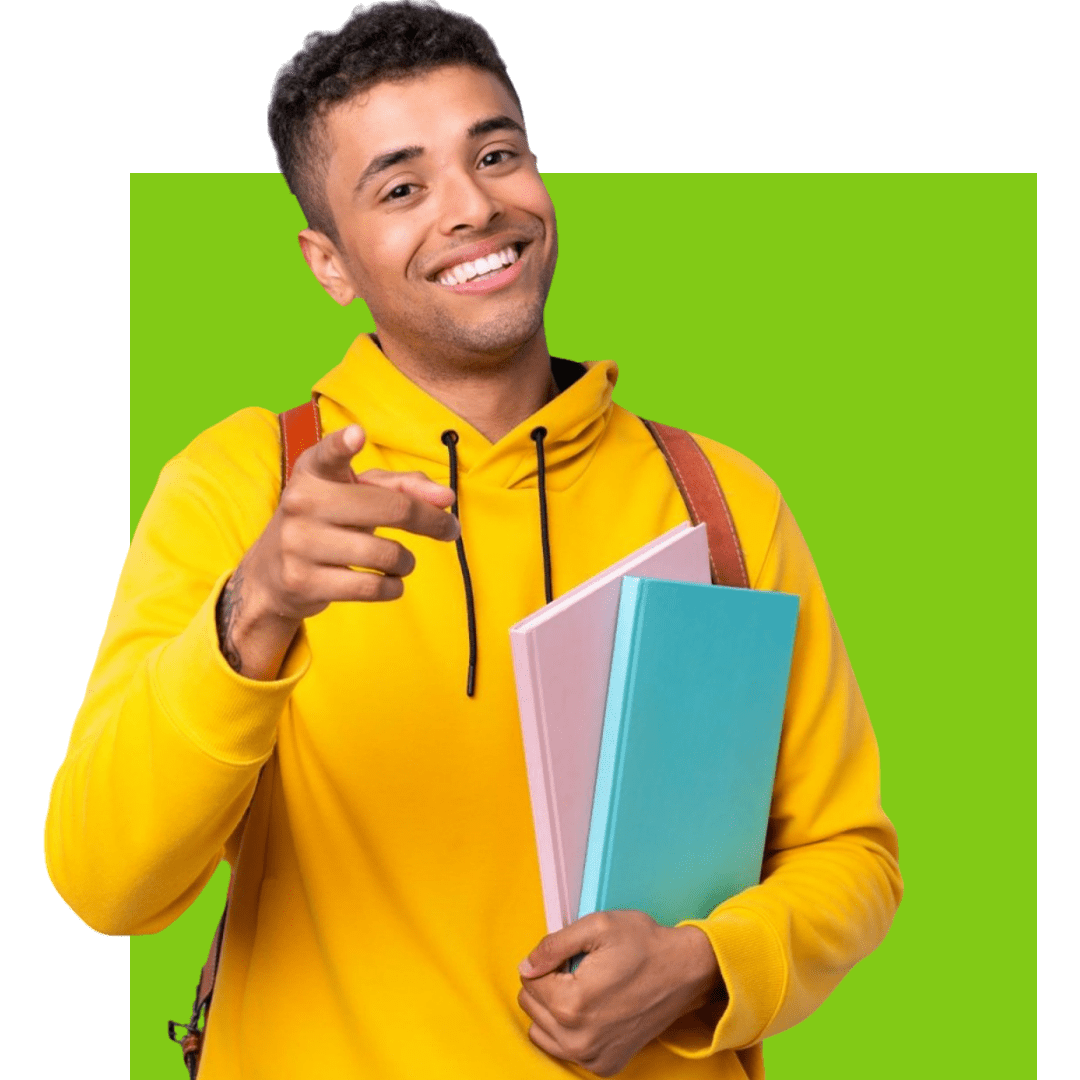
x=288, y=500
x=567, y=1012
x=295, y=501
x=294, y=576
x=562, y=1015
x=581, y=1048
x=293, y=537
x=603, y=922
x=397, y=508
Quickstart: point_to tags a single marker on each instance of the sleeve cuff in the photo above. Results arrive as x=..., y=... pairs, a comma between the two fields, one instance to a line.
x=754, y=970
x=231, y=718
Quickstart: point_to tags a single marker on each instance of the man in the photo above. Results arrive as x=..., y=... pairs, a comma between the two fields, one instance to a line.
x=386, y=887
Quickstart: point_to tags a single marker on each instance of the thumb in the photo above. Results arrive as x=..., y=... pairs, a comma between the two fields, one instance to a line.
x=554, y=950
x=329, y=458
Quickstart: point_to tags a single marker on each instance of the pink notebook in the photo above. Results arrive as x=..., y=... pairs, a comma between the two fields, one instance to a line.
x=562, y=660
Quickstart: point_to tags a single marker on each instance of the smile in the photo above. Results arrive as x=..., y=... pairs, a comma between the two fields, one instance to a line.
x=482, y=269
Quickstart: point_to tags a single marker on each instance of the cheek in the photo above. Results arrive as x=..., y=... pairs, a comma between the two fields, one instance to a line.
x=382, y=254
x=539, y=202
x=524, y=191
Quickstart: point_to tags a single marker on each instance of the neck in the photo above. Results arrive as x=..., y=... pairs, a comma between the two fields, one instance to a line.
x=493, y=394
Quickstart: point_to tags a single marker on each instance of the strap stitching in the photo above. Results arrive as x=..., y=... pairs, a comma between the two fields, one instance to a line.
x=695, y=512
x=727, y=512
x=285, y=461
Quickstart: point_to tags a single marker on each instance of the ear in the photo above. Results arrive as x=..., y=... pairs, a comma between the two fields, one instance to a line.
x=328, y=266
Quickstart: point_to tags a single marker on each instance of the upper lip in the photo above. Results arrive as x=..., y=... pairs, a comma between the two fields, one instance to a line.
x=475, y=251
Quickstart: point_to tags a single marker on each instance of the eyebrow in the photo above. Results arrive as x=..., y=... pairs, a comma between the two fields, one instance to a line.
x=494, y=123
x=388, y=161
x=410, y=153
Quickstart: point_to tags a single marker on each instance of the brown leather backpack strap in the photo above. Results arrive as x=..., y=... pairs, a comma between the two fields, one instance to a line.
x=300, y=429
x=210, y=968
x=704, y=498
x=191, y=1043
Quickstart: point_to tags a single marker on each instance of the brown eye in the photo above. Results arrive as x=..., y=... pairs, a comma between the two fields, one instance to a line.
x=400, y=192
x=495, y=157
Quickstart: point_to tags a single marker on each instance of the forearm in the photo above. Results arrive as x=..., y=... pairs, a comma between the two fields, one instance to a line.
x=163, y=762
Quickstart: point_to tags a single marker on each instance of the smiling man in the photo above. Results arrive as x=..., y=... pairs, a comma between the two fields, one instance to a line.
x=359, y=763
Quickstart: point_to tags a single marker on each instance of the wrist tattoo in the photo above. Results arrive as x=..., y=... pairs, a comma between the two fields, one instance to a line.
x=228, y=606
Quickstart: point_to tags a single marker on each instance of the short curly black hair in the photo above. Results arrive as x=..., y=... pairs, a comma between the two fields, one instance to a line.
x=384, y=41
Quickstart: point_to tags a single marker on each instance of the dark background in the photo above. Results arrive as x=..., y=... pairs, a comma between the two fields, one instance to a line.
x=96, y=92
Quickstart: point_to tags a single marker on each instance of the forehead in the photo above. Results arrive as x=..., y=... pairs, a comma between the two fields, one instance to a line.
x=433, y=110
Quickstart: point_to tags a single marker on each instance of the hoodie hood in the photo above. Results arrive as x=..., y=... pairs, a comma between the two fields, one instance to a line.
x=407, y=423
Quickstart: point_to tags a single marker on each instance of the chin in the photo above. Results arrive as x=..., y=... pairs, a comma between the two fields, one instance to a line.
x=495, y=338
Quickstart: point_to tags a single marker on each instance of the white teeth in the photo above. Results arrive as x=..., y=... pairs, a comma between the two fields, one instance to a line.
x=466, y=271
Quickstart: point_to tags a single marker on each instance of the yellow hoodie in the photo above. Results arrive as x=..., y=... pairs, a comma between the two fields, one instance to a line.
x=388, y=886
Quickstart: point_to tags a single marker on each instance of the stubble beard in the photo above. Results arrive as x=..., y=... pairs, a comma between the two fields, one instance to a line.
x=490, y=342
x=446, y=346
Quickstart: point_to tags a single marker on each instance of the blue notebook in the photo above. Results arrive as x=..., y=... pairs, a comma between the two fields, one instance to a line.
x=688, y=753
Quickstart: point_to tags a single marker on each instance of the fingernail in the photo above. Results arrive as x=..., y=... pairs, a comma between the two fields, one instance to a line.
x=352, y=437
x=525, y=968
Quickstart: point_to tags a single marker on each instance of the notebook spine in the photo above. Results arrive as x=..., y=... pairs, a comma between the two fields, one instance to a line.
x=594, y=878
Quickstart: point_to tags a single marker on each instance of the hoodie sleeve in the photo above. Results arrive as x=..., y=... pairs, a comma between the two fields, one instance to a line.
x=169, y=741
x=830, y=881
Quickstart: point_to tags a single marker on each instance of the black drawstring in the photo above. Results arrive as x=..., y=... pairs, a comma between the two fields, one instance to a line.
x=449, y=440
x=537, y=435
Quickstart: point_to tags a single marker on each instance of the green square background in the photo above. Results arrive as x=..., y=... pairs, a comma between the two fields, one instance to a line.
x=869, y=340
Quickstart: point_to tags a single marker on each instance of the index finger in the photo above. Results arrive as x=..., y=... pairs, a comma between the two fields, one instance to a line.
x=370, y=506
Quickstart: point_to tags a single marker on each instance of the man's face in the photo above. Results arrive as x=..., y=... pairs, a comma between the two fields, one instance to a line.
x=427, y=177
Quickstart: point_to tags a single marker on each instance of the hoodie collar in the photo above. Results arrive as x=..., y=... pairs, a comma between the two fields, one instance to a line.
x=398, y=415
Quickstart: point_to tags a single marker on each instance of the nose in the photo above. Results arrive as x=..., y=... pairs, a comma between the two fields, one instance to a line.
x=467, y=203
